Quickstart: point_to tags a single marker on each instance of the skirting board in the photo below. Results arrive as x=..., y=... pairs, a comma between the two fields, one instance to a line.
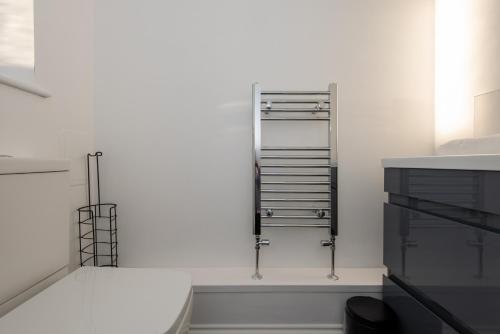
x=267, y=329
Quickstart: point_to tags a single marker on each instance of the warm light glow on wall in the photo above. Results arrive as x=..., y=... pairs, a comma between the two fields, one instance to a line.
x=453, y=92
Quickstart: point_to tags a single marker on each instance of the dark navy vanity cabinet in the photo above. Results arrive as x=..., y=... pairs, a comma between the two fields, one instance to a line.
x=442, y=250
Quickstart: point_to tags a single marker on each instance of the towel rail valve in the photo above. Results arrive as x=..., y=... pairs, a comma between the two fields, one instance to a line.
x=259, y=243
x=331, y=243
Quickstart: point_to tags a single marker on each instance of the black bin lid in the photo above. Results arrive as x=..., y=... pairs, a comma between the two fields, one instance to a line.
x=370, y=311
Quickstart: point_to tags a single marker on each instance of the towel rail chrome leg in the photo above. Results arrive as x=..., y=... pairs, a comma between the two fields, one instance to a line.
x=331, y=244
x=258, y=243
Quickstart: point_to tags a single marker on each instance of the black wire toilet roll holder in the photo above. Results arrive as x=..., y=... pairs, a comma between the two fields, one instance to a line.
x=97, y=228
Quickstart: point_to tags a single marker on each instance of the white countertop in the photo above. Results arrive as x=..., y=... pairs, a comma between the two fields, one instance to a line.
x=21, y=165
x=462, y=162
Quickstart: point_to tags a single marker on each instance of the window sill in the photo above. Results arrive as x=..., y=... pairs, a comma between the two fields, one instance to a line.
x=25, y=84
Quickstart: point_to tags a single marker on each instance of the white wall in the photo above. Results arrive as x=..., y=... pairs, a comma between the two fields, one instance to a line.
x=60, y=126
x=485, y=67
x=173, y=117
x=467, y=67
x=485, y=16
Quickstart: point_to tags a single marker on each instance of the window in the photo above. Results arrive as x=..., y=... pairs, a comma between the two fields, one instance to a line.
x=17, y=45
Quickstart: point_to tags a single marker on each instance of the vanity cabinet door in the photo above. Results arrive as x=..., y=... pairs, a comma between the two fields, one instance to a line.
x=455, y=265
x=413, y=317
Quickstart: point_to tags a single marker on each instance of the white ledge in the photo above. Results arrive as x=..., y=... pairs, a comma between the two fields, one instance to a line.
x=26, y=86
x=285, y=277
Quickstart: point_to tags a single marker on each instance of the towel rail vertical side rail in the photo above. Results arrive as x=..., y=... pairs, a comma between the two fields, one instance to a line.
x=333, y=138
x=257, y=145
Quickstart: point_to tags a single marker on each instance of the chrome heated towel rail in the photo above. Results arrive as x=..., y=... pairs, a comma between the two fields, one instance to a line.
x=295, y=177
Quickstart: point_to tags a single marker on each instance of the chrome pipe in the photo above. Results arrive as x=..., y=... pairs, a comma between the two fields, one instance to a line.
x=331, y=243
x=258, y=244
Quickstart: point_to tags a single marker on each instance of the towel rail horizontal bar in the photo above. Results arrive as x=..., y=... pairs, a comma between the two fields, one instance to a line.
x=296, y=217
x=295, y=225
x=315, y=183
x=296, y=119
x=296, y=174
x=292, y=101
x=296, y=208
x=295, y=110
x=284, y=191
x=295, y=166
x=297, y=92
x=295, y=148
x=306, y=157
x=313, y=200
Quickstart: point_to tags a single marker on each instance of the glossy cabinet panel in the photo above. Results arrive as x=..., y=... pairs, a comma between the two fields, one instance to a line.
x=455, y=265
x=477, y=190
x=414, y=317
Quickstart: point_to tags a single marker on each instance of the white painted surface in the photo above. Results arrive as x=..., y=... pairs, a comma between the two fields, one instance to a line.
x=467, y=53
x=485, y=46
x=487, y=113
x=13, y=165
x=60, y=126
x=453, y=63
x=286, y=277
x=105, y=300
x=34, y=229
x=468, y=162
x=173, y=115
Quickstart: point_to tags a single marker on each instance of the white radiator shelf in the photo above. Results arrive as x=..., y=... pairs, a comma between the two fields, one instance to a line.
x=285, y=277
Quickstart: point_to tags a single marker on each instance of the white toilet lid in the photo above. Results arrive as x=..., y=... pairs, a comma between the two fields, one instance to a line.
x=104, y=300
